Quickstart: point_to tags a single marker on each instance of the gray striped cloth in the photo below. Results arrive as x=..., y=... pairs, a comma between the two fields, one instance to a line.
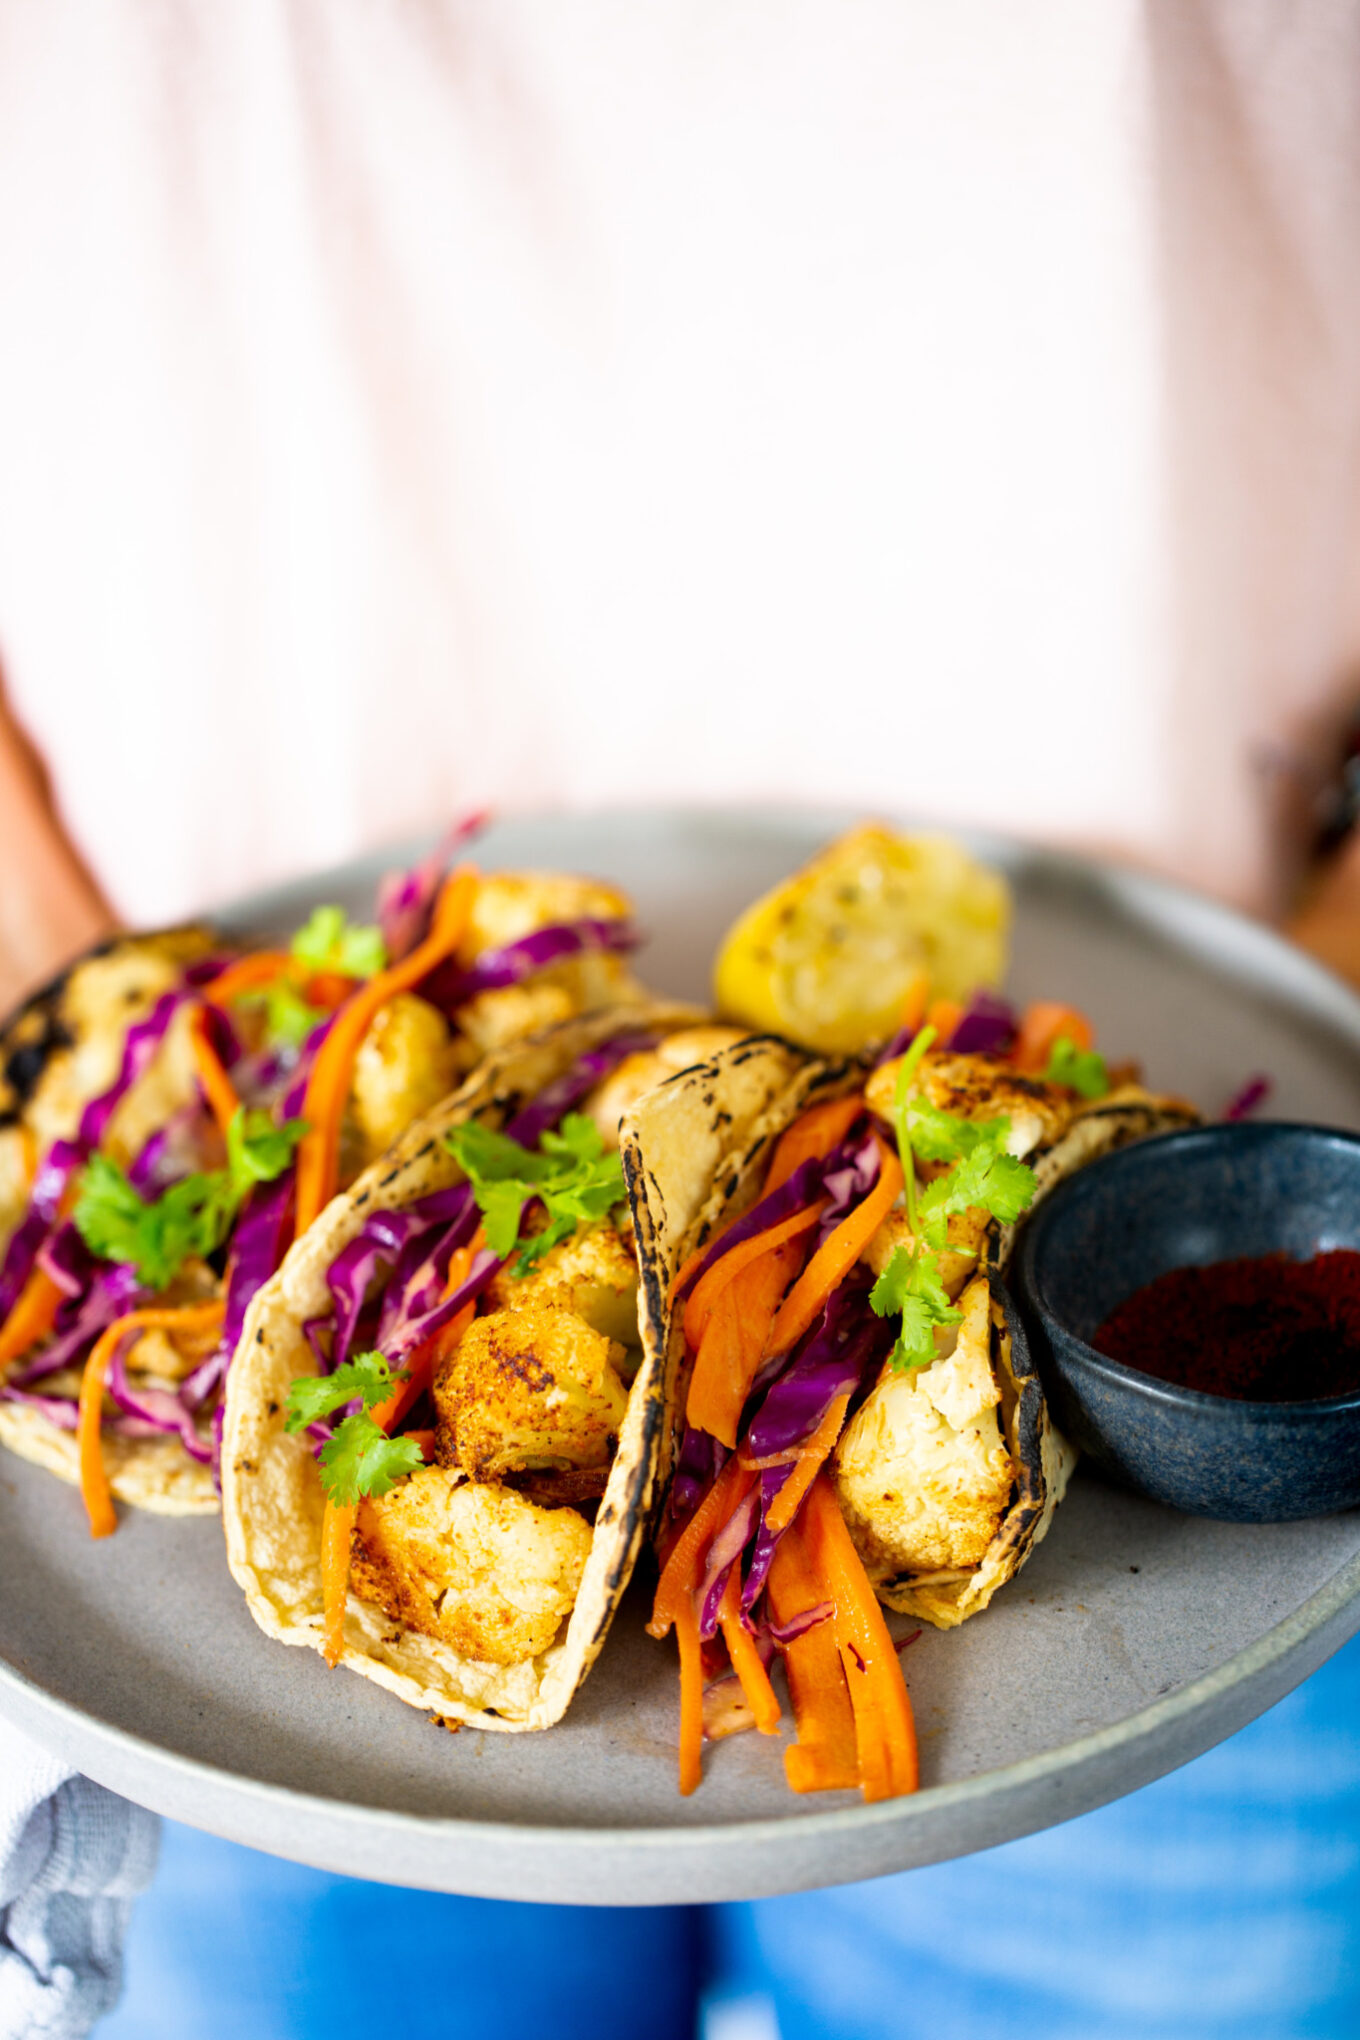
x=72, y=1858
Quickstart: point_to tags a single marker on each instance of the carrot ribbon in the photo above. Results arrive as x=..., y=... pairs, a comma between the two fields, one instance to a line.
x=94, y=1480
x=328, y=1085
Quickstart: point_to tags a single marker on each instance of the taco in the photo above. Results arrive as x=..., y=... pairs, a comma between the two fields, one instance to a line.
x=176, y=1107
x=442, y=1434
x=852, y=1415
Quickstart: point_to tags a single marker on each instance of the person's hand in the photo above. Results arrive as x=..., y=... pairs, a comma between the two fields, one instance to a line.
x=50, y=907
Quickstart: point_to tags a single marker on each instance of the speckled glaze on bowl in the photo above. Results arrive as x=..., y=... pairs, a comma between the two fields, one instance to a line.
x=1215, y=1193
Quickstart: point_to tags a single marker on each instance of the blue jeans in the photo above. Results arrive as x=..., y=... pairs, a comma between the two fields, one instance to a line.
x=1222, y=1903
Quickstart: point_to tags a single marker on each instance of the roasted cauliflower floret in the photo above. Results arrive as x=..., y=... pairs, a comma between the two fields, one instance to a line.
x=479, y=1567
x=101, y=1000
x=511, y=904
x=529, y=1390
x=983, y=1087
x=922, y=1472
x=958, y=1261
x=642, y=1072
x=594, y=1274
x=406, y=1064
x=494, y=1018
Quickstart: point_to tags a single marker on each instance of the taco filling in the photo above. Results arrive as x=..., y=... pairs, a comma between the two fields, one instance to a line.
x=856, y=1418
x=439, y=1423
x=178, y=1111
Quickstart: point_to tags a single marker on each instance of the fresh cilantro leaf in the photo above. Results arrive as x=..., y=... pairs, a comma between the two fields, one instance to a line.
x=258, y=1151
x=1080, y=1069
x=312, y=1398
x=576, y=1181
x=288, y=1019
x=941, y=1137
x=192, y=1218
x=360, y=1459
x=910, y=1287
x=988, y=1179
x=906, y=1071
x=330, y=941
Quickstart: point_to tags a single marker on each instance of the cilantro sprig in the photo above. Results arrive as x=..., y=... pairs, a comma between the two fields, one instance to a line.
x=288, y=1017
x=193, y=1217
x=982, y=1176
x=358, y=1458
x=331, y=941
x=1080, y=1069
x=570, y=1173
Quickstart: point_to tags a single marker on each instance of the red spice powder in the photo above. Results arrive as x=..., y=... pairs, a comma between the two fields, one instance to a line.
x=1267, y=1330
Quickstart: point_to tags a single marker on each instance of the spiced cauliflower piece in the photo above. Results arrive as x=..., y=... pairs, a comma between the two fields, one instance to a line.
x=594, y=1274
x=475, y=1565
x=921, y=1471
x=534, y=1390
x=512, y=904
x=406, y=1063
x=104, y=997
x=642, y=1072
x=982, y=1087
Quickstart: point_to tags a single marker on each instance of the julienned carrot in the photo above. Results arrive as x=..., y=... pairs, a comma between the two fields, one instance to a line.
x=94, y=1481
x=784, y=1507
x=734, y=1339
x=825, y=1758
x=337, y=1531
x=1044, y=1024
x=761, y=1697
x=944, y=1016
x=813, y=1134
x=915, y=1001
x=709, y=1287
x=684, y=1565
x=691, y=1694
x=328, y=1085
x=216, y=1085
x=422, y=1363
x=247, y=974
x=28, y=1148
x=32, y=1317
x=836, y=1256
x=885, y=1733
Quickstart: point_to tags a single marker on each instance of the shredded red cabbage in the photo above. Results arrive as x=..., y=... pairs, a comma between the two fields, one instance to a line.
x=794, y=1194
x=729, y=1541
x=848, y=1176
x=899, y=1045
x=698, y=1463
x=451, y=985
x=382, y=1238
x=66, y=1260
x=64, y=1412
x=415, y=1330
x=157, y=1407
x=420, y=1274
x=1249, y=1099
x=844, y=1341
x=49, y=1187
x=140, y=1046
x=772, y=1479
x=115, y=1290
x=799, y=1625
x=988, y=1027
x=406, y=898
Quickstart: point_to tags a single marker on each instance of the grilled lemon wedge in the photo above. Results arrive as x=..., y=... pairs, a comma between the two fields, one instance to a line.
x=830, y=956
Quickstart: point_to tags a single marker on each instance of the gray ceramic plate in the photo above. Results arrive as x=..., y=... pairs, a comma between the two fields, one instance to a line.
x=1135, y=1639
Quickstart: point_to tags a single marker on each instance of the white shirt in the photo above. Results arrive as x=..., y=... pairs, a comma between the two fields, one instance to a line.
x=946, y=408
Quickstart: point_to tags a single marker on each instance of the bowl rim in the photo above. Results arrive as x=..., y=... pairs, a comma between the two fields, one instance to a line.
x=1031, y=1291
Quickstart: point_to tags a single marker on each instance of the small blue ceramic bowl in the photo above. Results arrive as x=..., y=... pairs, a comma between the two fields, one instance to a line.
x=1214, y=1193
